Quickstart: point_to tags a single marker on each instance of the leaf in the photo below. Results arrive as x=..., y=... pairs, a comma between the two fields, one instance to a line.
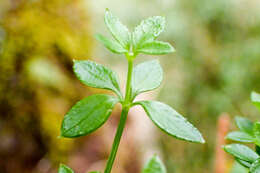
x=154, y=165
x=95, y=172
x=148, y=30
x=255, y=167
x=242, y=152
x=96, y=75
x=146, y=76
x=255, y=97
x=244, y=124
x=65, y=169
x=155, y=48
x=111, y=45
x=87, y=115
x=170, y=121
x=257, y=133
x=240, y=137
x=117, y=29
x=243, y=163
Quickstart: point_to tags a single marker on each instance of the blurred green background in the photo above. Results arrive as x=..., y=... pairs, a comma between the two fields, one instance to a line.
x=215, y=67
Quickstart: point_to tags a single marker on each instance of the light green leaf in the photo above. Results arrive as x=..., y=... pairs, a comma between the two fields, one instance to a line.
x=255, y=97
x=242, y=152
x=240, y=137
x=154, y=165
x=146, y=76
x=243, y=163
x=257, y=133
x=87, y=115
x=238, y=168
x=255, y=167
x=244, y=124
x=170, y=121
x=155, y=48
x=148, y=30
x=96, y=75
x=117, y=29
x=111, y=45
x=65, y=169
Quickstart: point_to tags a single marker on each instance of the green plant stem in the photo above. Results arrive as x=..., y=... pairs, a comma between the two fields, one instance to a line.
x=123, y=118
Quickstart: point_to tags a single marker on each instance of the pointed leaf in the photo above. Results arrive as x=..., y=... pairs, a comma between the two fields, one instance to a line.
x=242, y=152
x=255, y=167
x=257, y=133
x=146, y=76
x=96, y=75
x=170, y=121
x=111, y=45
x=245, y=124
x=148, y=30
x=240, y=137
x=155, y=48
x=87, y=115
x=65, y=169
x=117, y=29
x=154, y=165
x=255, y=97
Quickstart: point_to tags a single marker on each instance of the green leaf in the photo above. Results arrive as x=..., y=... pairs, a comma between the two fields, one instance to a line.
x=95, y=172
x=255, y=97
x=96, y=75
x=146, y=76
x=243, y=163
x=238, y=168
x=242, y=152
x=255, y=167
x=148, y=30
x=65, y=169
x=87, y=115
x=155, y=48
x=240, y=137
x=154, y=165
x=117, y=29
x=170, y=121
x=111, y=45
x=245, y=124
x=257, y=133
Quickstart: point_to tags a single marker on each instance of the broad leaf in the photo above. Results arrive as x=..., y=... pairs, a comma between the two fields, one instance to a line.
x=111, y=45
x=257, y=133
x=240, y=137
x=155, y=48
x=171, y=121
x=154, y=165
x=65, y=169
x=148, y=30
x=117, y=29
x=244, y=163
x=255, y=167
x=146, y=76
x=255, y=97
x=245, y=124
x=96, y=75
x=242, y=152
x=87, y=115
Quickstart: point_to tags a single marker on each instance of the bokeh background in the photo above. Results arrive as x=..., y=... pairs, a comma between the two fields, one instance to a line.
x=215, y=67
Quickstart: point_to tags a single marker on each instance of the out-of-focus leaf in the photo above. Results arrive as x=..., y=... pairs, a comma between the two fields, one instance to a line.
x=255, y=97
x=111, y=45
x=240, y=137
x=171, y=121
x=65, y=169
x=244, y=163
x=96, y=75
x=257, y=133
x=87, y=115
x=95, y=172
x=117, y=29
x=238, y=168
x=146, y=76
x=245, y=124
x=255, y=167
x=242, y=152
x=154, y=165
x=155, y=48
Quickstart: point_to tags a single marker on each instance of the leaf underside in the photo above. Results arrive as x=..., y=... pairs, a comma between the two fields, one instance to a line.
x=244, y=124
x=255, y=167
x=240, y=137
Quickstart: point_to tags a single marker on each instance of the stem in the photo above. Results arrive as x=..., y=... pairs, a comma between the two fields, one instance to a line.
x=123, y=118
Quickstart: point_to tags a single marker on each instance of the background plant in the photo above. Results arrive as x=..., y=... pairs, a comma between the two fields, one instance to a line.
x=92, y=112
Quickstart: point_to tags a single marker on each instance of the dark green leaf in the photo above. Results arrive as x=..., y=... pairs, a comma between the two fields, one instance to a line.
x=156, y=48
x=242, y=152
x=146, y=76
x=96, y=75
x=255, y=167
x=244, y=163
x=154, y=165
x=65, y=169
x=245, y=124
x=87, y=115
x=255, y=97
x=111, y=45
x=257, y=133
x=170, y=121
x=117, y=29
x=240, y=137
